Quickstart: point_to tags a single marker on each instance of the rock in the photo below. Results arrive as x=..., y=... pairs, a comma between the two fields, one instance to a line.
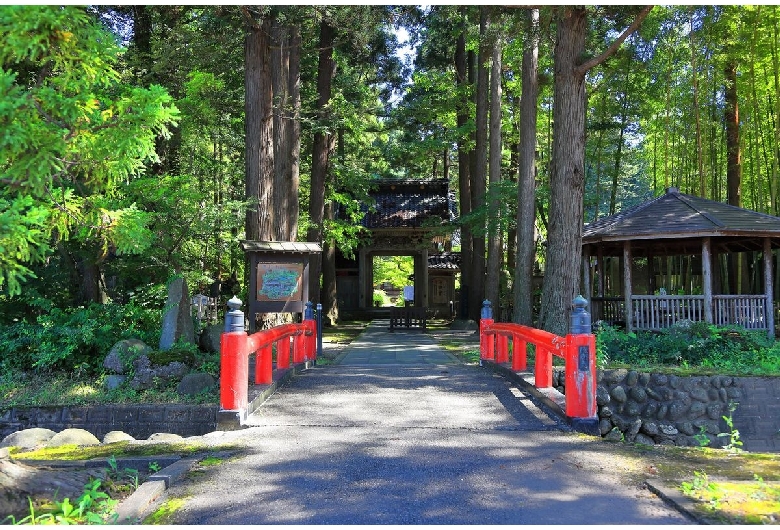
x=651, y=410
x=697, y=409
x=652, y=394
x=73, y=437
x=715, y=411
x=686, y=428
x=195, y=383
x=660, y=379
x=668, y=430
x=210, y=338
x=123, y=353
x=28, y=438
x=614, y=435
x=117, y=436
x=113, y=382
x=677, y=410
x=633, y=408
x=633, y=429
x=699, y=394
x=638, y=394
x=177, y=321
x=602, y=396
x=649, y=428
x=164, y=437
x=605, y=426
x=618, y=394
x=173, y=370
x=662, y=410
x=644, y=439
x=632, y=378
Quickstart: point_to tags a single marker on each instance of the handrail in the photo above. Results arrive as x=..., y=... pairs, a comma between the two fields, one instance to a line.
x=577, y=349
x=236, y=347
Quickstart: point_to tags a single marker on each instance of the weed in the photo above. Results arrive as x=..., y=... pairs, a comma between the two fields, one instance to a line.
x=92, y=507
x=154, y=467
x=702, y=437
x=735, y=444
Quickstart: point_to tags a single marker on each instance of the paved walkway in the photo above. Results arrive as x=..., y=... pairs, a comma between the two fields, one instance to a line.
x=400, y=432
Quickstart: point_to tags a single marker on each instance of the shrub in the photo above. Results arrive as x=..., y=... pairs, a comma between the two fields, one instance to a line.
x=731, y=350
x=76, y=338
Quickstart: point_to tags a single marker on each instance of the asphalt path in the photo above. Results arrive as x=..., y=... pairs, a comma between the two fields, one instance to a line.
x=400, y=432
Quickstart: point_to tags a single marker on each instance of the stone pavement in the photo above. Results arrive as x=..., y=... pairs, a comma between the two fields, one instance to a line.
x=400, y=432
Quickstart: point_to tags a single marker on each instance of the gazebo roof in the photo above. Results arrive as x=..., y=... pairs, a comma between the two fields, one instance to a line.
x=675, y=223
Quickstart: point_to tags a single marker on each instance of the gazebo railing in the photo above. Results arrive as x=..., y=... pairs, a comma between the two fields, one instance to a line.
x=748, y=311
x=659, y=312
x=655, y=312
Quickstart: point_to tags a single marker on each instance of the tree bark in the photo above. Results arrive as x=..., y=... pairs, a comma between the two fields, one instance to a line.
x=464, y=176
x=567, y=174
x=282, y=188
x=495, y=252
x=478, y=175
x=259, y=133
x=322, y=146
x=526, y=185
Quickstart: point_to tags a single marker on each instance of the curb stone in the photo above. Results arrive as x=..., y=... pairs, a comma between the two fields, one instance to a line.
x=134, y=508
x=678, y=501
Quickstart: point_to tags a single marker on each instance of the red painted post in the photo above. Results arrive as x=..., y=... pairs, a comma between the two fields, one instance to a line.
x=543, y=368
x=299, y=346
x=283, y=353
x=581, y=376
x=502, y=348
x=519, y=355
x=234, y=371
x=264, y=366
x=486, y=340
x=311, y=340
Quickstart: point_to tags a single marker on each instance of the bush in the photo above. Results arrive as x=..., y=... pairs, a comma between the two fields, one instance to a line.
x=732, y=350
x=75, y=339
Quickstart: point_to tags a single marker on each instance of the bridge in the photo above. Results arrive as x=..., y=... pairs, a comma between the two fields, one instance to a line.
x=399, y=431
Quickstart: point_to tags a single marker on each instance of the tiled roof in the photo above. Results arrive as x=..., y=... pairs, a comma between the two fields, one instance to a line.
x=410, y=203
x=444, y=261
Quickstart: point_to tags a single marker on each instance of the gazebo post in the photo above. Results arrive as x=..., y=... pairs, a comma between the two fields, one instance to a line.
x=627, y=285
x=706, y=273
x=586, y=288
x=769, y=287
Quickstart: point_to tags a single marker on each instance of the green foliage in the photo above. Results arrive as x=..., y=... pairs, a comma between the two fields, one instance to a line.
x=92, y=507
x=72, y=133
x=75, y=339
x=393, y=270
x=729, y=350
x=735, y=444
x=382, y=298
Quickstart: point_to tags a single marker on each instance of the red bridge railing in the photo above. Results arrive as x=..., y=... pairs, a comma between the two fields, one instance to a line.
x=236, y=347
x=578, y=349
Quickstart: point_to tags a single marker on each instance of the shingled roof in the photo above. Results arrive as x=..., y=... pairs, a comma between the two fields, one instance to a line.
x=410, y=203
x=676, y=222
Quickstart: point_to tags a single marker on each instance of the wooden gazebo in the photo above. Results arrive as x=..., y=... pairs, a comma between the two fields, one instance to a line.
x=665, y=261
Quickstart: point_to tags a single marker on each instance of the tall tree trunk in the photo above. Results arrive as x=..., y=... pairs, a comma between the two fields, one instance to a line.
x=321, y=149
x=282, y=188
x=464, y=176
x=526, y=185
x=567, y=175
x=259, y=132
x=495, y=252
x=733, y=160
x=697, y=117
x=294, y=131
x=478, y=177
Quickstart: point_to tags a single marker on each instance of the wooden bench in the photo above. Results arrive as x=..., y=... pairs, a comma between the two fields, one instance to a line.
x=408, y=317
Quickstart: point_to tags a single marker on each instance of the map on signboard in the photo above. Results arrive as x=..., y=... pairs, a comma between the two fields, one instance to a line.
x=279, y=281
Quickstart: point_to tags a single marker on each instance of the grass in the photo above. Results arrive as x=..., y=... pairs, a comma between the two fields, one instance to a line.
x=730, y=502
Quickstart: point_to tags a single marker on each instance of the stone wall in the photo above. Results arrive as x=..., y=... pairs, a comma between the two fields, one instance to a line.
x=668, y=409
x=139, y=421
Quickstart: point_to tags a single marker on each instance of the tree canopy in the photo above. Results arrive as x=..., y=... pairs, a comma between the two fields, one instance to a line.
x=130, y=146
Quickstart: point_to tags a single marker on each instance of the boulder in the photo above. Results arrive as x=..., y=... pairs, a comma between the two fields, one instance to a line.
x=177, y=321
x=112, y=382
x=28, y=438
x=195, y=383
x=164, y=437
x=73, y=437
x=210, y=337
x=117, y=436
x=123, y=353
